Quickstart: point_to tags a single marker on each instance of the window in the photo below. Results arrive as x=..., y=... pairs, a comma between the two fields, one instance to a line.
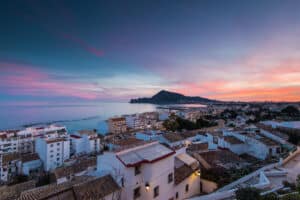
x=170, y=178
x=186, y=187
x=57, y=144
x=156, y=191
x=136, y=193
x=176, y=195
x=51, y=156
x=278, y=150
x=137, y=170
x=57, y=159
x=51, y=145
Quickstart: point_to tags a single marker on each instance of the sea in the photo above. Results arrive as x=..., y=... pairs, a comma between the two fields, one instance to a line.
x=74, y=117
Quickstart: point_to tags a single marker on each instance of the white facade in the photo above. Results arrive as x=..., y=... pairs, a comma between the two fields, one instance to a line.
x=28, y=167
x=151, y=177
x=85, y=142
x=8, y=167
x=148, y=135
x=53, y=151
x=254, y=145
x=22, y=141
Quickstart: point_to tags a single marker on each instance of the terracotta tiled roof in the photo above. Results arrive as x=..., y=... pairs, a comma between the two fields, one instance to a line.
x=77, y=167
x=29, y=157
x=128, y=141
x=220, y=157
x=198, y=147
x=14, y=191
x=6, y=158
x=188, y=134
x=83, y=188
x=233, y=140
x=53, y=191
x=96, y=188
x=268, y=141
x=87, y=132
x=117, y=119
x=181, y=173
x=173, y=137
x=75, y=136
x=49, y=141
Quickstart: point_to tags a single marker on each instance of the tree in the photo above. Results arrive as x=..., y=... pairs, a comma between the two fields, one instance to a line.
x=271, y=196
x=290, y=111
x=298, y=183
x=247, y=194
x=291, y=197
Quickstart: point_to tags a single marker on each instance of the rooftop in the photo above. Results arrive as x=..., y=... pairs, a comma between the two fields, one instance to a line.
x=233, y=140
x=117, y=119
x=84, y=188
x=53, y=191
x=216, y=133
x=221, y=157
x=96, y=188
x=29, y=157
x=78, y=166
x=181, y=173
x=147, y=153
x=188, y=134
x=198, y=147
x=75, y=136
x=268, y=141
x=54, y=140
x=14, y=191
x=126, y=143
x=87, y=132
x=6, y=158
x=173, y=137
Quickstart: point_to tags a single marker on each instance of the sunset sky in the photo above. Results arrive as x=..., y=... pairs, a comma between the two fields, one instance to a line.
x=88, y=51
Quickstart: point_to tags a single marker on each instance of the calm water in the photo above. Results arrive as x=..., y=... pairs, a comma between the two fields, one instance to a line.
x=74, y=117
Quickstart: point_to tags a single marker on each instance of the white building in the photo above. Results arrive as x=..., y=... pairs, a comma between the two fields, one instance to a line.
x=8, y=166
x=53, y=151
x=152, y=171
x=30, y=164
x=141, y=121
x=22, y=141
x=85, y=142
x=8, y=141
x=148, y=135
x=180, y=139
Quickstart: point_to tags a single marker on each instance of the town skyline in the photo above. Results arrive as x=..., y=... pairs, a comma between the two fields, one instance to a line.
x=57, y=52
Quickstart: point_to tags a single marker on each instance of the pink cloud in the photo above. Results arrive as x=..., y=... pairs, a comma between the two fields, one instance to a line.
x=23, y=79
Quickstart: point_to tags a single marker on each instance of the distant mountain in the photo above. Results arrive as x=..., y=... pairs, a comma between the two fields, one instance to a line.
x=166, y=97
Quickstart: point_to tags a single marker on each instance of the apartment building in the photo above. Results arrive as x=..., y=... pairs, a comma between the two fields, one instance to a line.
x=247, y=140
x=22, y=141
x=8, y=166
x=117, y=125
x=152, y=171
x=8, y=141
x=53, y=150
x=85, y=142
